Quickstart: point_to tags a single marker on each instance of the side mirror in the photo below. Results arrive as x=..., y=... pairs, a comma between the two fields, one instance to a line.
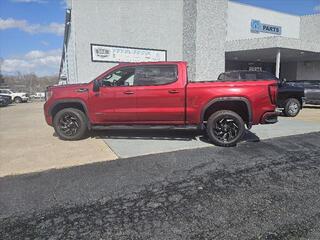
x=96, y=86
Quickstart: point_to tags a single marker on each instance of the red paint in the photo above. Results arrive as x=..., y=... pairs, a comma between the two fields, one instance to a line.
x=177, y=103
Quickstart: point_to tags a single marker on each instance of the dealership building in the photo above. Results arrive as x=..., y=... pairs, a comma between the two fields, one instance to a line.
x=213, y=36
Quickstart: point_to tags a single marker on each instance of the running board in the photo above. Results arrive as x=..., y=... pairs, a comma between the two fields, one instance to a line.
x=141, y=127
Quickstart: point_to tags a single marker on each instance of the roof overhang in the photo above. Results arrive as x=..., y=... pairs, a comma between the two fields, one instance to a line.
x=265, y=50
x=272, y=42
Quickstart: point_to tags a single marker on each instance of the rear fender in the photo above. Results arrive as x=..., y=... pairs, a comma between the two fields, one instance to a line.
x=212, y=102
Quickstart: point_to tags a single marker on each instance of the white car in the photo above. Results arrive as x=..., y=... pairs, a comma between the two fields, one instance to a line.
x=16, y=97
x=38, y=95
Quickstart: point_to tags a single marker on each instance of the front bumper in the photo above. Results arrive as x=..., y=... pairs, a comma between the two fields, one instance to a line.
x=47, y=116
x=49, y=120
x=270, y=117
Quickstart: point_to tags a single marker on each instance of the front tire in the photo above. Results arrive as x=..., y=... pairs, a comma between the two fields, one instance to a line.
x=18, y=100
x=292, y=107
x=70, y=124
x=225, y=128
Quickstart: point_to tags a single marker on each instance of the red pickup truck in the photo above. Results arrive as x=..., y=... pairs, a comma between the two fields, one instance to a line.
x=159, y=93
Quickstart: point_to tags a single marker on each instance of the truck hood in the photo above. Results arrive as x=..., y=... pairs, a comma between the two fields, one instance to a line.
x=68, y=86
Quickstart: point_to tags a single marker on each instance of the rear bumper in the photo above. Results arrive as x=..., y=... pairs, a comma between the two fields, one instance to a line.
x=270, y=117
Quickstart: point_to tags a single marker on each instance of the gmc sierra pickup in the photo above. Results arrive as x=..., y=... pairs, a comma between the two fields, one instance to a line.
x=159, y=93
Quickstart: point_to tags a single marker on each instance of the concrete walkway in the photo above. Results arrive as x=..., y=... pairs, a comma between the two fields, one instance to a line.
x=130, y=143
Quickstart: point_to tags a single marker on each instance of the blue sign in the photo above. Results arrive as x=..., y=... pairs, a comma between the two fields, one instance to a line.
x=257, y=27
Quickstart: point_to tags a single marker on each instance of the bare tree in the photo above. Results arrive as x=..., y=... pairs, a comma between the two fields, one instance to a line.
x=29, y=83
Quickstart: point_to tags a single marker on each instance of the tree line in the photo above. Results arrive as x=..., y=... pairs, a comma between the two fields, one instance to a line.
x=29, y=83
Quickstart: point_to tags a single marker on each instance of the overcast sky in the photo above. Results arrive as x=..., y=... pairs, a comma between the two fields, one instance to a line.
x=31, y=31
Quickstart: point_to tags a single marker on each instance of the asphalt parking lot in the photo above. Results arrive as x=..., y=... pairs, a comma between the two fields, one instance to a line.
x=267, y=190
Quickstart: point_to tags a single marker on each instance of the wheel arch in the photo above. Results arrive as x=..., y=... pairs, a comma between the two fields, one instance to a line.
x=240, y=105
x=69, y=103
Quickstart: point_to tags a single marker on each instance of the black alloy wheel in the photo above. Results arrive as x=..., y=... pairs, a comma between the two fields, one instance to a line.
x=70, y=124
x=225, y=128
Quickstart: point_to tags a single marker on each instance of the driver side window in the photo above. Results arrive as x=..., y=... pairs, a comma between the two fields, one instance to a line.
x=119, y=77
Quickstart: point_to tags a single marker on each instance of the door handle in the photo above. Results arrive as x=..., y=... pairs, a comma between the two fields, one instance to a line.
x=128, y=92
x=173, y=91
x=83, y=90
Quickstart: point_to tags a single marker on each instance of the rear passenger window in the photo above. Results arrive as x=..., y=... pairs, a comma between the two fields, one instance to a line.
x=265, y=76
x=248, y=76
x=231, y=76
x=155, y=75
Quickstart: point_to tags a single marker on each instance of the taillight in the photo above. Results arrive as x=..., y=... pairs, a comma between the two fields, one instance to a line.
x=273, y=92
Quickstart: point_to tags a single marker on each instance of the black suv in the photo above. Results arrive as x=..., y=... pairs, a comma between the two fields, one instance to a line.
x=5, y=100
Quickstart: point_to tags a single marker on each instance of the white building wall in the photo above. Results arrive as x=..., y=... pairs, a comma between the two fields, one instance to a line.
x=240, y=16
x=308, y=70
x=210, y=39
x=70, y=58
x=310, y=28
x=156, y=24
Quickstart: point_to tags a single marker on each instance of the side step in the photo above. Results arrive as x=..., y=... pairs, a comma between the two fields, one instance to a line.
x=145, y=127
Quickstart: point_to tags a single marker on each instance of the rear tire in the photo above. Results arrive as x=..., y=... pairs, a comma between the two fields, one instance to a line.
x=18, y=100
x=292, y=107
x=225, y=128
x=70, y=124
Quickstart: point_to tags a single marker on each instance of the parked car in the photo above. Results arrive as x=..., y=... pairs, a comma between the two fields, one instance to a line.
x=15, y=96
x=5, y=100
x=159, y=93
x=290, y=97
x=311, y=90
x=38, y=95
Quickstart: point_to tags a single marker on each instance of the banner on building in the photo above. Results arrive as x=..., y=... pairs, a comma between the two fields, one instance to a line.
x=109, y=53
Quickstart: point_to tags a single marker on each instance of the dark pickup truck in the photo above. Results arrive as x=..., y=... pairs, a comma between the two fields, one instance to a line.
x=311, y=90
x=291, y=94
x=290, y=98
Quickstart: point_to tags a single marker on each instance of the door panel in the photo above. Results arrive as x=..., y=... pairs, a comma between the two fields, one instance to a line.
x=157, y=104
x=113, y=104
x=163, y=99
x=125, y=104
x=116, y=100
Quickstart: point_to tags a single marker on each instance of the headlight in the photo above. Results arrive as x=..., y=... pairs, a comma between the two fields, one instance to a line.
x=48, y=94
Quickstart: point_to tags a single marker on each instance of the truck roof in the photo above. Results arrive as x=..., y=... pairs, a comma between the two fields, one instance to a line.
x=147, y=63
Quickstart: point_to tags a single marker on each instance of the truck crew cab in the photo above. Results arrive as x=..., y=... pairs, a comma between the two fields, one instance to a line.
x=159, y=93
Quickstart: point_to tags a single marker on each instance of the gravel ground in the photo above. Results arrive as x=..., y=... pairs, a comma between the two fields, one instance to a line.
x=265, y=190
x=25, y=138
